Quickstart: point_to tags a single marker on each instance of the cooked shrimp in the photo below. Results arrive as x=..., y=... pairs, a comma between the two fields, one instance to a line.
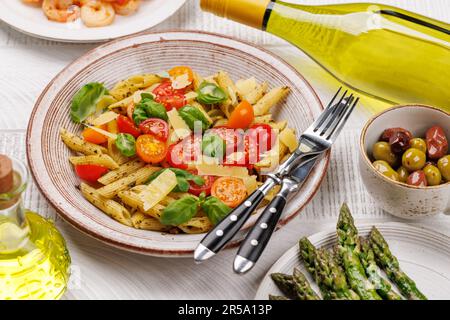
x=127, y=7
x=97, y=14
x=60, y=10
x=33, y=2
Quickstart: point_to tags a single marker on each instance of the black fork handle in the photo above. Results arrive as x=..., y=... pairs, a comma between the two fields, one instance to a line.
x=226, y=229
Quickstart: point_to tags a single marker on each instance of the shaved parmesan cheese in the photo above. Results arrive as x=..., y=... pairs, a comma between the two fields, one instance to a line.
x=105, y=118
x=103, y=132
x=245, y=86
x=289, y=139
x=180, y=127
x=158, y=189
x=180, y=82
x=232, y=96
x=221, y=171
x=191, y=96
x=250, y=183
x=137, y=96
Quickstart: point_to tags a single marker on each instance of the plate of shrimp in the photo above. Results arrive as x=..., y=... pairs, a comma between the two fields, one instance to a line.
x=85, y=21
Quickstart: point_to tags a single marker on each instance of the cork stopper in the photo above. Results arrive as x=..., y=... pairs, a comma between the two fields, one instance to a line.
x=249, y=12
x=6, y=174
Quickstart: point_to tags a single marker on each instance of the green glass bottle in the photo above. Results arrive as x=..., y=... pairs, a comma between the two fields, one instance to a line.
x=34, y=261
x=382, y=51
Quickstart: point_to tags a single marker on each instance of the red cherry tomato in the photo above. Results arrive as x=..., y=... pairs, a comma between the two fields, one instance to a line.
x=183, y=152
x=265, y=136
x=206, y=188
x=231, y=137
x=169, y=97
x=156, y=127
x=125, y=125
x=90, y=172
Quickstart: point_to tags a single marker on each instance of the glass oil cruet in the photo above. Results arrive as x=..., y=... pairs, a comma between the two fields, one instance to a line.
x=34, y=261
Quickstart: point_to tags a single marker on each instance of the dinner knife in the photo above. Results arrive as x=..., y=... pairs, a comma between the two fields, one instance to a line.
x=258, y=237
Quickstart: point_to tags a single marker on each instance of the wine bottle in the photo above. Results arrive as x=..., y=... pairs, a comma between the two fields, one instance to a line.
x=382, y=51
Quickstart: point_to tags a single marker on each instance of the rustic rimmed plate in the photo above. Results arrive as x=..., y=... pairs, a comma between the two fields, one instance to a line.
x=153, y=52
x=32, y=21
x=423, y=254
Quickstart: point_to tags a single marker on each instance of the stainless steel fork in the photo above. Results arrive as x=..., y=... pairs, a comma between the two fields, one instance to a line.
x=317, y=139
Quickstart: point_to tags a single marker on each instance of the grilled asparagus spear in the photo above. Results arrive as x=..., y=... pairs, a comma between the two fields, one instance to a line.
x=294, y=287
x=326, y=272
x=390, y=264
x=273, y=297
x=349, y=250
x=373, y=272
x=302, y=287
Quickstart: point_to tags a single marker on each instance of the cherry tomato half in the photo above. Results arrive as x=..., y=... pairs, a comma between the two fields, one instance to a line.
x=231, y=191
x=183, y=152
x=231, y=137
x=92, y=136
x=179, y=71
x=169, y=97
x=90, y=172
x=206, y=188
x=150, y=149
x=242, y=116
x=125, y=125
x=264, y=136
x=156, y=127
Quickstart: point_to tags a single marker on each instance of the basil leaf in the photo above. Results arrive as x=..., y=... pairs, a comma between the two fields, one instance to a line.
x=84, y=102
x=209, y=93
x=148, y=108
x=183, y=185
x=180, y=211
x=215, y=209
x=213, y=145
x=146, y=95
x=126, y=144
x=191, y=115
x=198, y=180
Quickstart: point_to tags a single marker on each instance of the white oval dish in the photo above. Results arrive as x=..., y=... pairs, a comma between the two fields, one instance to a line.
x=423, y=254
x=154, y=52
x=32, y=21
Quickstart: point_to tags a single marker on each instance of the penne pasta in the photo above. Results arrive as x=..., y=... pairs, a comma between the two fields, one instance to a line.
x=118, y=157
x=121, y=172
x=196, y=225
x=111, y=190
x=77, y=144
x=152, y=224
x=112, y=208
x=98, y=159
x=269, y=100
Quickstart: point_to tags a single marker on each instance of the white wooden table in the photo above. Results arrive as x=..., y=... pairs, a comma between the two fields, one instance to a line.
x=102, y=272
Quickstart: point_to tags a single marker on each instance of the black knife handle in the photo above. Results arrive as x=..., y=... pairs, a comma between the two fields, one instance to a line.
x=226, y=229
x=256, y=240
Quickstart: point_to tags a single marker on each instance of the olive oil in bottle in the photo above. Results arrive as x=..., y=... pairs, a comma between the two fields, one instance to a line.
x=34, y=261
x=383, y=51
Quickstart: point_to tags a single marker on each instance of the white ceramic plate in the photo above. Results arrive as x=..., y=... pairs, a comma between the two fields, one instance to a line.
x=423, y=254
x=152, y=53
x=32, y=21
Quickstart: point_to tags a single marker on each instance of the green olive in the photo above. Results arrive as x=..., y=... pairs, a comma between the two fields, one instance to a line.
x=432, y=174
x=418, y=143
x=402, y=174
x=413, y=159
x=384, y=167
x=444, y=167
x=382, y=151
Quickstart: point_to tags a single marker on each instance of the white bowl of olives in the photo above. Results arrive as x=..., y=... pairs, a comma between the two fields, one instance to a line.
x=405, y=160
